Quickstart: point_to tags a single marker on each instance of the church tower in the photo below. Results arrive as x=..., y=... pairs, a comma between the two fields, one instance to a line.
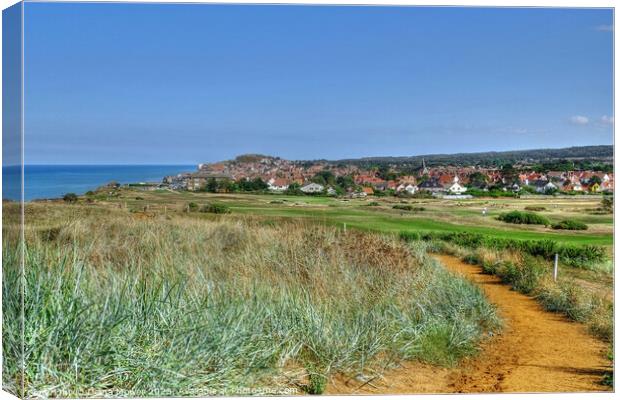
x=425, y=170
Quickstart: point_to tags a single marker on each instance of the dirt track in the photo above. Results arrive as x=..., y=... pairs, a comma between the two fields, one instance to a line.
x=537, y=351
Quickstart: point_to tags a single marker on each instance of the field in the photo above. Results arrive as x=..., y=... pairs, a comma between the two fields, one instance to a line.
x=438, y=215
x=140, y=293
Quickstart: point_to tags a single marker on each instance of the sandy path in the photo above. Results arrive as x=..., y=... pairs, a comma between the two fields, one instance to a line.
x=537, y=351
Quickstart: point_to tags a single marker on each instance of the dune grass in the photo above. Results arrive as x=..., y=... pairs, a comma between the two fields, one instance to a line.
x=124, y=306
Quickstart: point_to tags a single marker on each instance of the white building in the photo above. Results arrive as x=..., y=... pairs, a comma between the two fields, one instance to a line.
x=312, y=188
x=544, y=187
x=409, y=188
x=456, y=187
x=278, y=184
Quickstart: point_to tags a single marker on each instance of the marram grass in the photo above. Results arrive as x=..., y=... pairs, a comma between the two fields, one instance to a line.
x=119, y=306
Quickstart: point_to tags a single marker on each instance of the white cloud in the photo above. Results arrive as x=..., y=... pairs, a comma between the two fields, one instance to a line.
x=607, y=120
x=605, y=28
x=579, y=120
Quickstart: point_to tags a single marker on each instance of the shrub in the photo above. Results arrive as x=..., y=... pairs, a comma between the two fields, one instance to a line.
x=519, y=217
x=570, y=224
x=215, y=208
x=490, y=193
x=421, y=194
x=472, y=258
x=607, y=204
x=544, y=248
x=139, y=198
x=580, y=256
x=568, y=298
x=409, y=236
x=523, y=276
x=535, y=208
x=373, y=204
x=407, y=207
x=573, y=255
x=317, y=384
x=191, y=206
x=70, y=198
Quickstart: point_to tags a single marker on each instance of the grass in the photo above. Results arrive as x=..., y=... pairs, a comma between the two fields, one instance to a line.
x=439, y=215
x=531, y=275
x=191, y=304
x=586, y=257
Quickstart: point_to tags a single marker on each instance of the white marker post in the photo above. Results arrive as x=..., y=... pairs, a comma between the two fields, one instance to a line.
x=555, y=268
x=345, y=227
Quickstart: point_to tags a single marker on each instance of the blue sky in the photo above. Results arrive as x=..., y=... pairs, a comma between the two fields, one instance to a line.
x=155, y=84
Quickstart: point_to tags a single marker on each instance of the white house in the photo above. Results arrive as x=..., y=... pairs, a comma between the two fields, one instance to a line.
x=550, y=186
x=544, y=187
x=312, y=188
x=409, y=188
x=456, y=187
x=278, y=184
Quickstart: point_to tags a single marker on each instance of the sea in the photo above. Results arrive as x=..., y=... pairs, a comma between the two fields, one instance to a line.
x=54, y=181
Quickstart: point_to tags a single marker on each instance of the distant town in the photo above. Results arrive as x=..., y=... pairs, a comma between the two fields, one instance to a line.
x=389, y=176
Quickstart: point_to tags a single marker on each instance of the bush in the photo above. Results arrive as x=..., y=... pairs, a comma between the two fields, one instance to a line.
x=490, y=193
x=579, y=256
x=70, y=198
x=191, y=206
x=523, y=276
x=215, y=208
x=519, y=217
x=576, y=256
x=373, y=204
x=607, y=204
x=472, y=258
x=407, y=207
x=571, y=225
x=567, y=298
x=409, y=236
x=317, y=384
x=535, y=208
